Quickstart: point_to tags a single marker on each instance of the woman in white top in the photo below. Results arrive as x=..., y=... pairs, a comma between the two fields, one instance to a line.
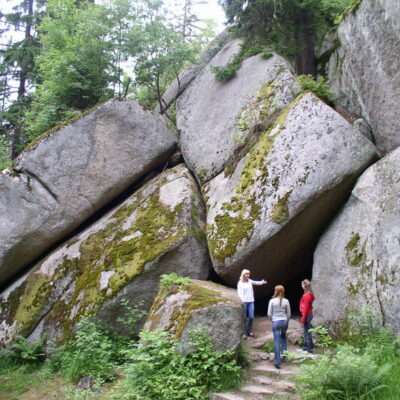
x=246, y=295
x=279, y=311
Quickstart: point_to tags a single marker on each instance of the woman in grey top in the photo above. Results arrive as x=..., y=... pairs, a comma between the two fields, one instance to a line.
x=279, y=311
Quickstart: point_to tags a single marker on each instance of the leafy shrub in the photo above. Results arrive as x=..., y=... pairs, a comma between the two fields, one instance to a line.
x=347, y=375
x=167, y=281
x=323, y=339
x=90, y=353
x=223, y=74
x=365, y=323
x=159, y=372
x=320, y=87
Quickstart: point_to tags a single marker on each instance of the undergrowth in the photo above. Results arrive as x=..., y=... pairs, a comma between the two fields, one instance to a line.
x=364, y=366
x=319, y=87
x=157, y=371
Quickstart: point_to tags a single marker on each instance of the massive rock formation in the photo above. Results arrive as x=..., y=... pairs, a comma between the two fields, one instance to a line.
x=364, y=71
x=158, y=230
x=214, y=117
x=199, y=306
x=357, y=261
x=72, y=172
x=271, y=207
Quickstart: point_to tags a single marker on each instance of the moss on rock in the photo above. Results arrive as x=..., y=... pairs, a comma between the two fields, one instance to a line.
x=137, y=233
x=280, y=212
x=234, y=224
x=195, y=296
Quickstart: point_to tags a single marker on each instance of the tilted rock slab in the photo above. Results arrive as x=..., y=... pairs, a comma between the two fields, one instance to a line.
x=158, y=230
x=365, y=69
x=199, y=306
x=71, y=173
x=179, y=85
x=357, y=261
x=214, y=117
x=267, y=213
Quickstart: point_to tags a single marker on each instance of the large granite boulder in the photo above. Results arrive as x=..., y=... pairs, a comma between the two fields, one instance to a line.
x=365, y=69
x=157, y=230
x=214, y=117
x=267, y=213
x=195, y=306
x=72, y=172
x=357, y=261
x=178, y=86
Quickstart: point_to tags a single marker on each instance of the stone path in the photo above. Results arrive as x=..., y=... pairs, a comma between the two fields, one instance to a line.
x=263, y=381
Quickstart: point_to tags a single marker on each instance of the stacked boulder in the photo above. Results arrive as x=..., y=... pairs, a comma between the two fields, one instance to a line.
x=73, y=171
x=159, y=229
x=364, y=70
x=357, y=259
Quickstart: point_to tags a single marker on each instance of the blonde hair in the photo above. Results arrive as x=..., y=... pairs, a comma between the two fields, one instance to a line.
x=306, y=285
x=245, y=271
x=279, y=292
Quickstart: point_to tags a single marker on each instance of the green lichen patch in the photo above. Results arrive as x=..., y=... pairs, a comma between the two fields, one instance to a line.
x=228, y=232
x=197, y=297
x=353, y=288
x=137, y=233
x=355, y=251
x=353, y=242
x=280, y=212
x=235, y=222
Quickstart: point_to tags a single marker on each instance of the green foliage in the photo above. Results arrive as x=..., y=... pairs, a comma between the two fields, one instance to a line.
x=323, y=339
x=132, y=314
x=169, y=280
x=268, y=347
x=161, y=49
x=364, y=324
x=158, y=372
x=347, y=375
x=90, y=353
x=75, y=63
x=223, y=74
x=23, y=352
x=319, y=87
x=289, y=27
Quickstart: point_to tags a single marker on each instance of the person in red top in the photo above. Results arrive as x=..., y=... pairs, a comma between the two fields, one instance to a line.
x=306, y=310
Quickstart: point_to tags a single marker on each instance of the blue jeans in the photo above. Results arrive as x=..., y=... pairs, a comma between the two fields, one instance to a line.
x=248, y=310
x=279, y=329
x=308, y=341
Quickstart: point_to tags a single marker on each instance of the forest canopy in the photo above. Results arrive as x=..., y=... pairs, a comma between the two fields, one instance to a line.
x=74, y=54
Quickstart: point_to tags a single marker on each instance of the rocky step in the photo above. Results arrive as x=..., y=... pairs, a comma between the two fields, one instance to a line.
x=278, y=385
x=269, y=368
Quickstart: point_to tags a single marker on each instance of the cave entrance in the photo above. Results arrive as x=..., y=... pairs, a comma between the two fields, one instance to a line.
x=293, y=292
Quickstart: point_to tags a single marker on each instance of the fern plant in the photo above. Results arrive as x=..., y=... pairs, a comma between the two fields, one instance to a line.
x=346, y=375
x=26, y=352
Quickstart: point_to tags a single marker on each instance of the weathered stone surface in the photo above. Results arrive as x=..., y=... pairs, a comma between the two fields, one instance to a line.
x=272, y=207
x=214, y=117
x=178, y=86
x=159, y=229
x=199, y=305
x=365, y=69
x=357, y=261
x=71, y=173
